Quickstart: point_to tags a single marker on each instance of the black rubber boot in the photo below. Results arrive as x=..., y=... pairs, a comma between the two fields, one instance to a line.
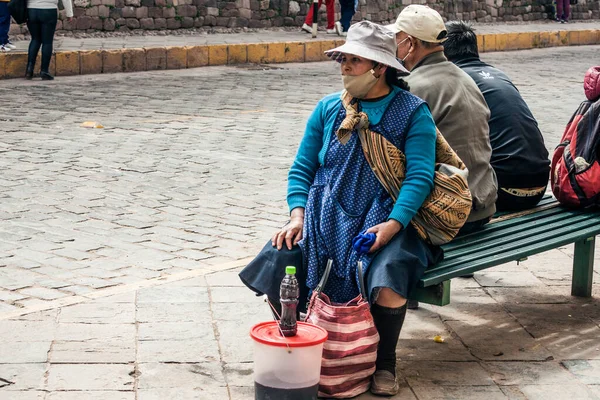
x=46, y=76
x=29, y=71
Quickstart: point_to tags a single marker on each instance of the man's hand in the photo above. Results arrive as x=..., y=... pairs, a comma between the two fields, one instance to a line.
x=384, y=232
x=292, y=232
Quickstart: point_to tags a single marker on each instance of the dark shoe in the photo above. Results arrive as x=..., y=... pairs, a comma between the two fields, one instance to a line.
x=384, y=383
x=29, y=71
x=412, y=304
x=46, y=76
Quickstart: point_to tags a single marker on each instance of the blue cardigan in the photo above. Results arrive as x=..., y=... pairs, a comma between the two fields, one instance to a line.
x=419, y=150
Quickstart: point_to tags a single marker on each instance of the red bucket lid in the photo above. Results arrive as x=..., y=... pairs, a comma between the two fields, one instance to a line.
x=308, y=335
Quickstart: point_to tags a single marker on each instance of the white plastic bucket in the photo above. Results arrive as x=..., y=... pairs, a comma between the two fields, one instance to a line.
x=287, y=368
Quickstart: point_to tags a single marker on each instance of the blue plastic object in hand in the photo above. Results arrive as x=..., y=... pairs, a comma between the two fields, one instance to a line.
x=363, y=241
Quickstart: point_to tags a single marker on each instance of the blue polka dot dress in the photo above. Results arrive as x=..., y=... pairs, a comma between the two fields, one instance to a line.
x=346, y=199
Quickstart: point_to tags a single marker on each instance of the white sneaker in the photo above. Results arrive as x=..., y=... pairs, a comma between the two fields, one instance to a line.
x=338, y=29
x=307, y=28
x=332, y=31
x=10, y=45
x=4, y=49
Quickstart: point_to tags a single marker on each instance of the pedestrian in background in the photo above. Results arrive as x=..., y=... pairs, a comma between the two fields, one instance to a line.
x=330, y=5
x=348, y=8
x=5, y=44
x=41, y=22
x=519, y=155
x=563, y=9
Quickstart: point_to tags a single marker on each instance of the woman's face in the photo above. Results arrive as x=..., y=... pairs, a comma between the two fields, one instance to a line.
x=352, y=65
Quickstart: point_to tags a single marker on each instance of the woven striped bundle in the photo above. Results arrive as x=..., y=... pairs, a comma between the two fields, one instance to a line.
x=350, y=351
x=447, y=207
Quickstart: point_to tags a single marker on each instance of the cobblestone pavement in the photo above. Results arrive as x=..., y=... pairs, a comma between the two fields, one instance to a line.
x=119, y=246
x=273, y=35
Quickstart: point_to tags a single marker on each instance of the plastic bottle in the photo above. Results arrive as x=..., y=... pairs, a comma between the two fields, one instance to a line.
x=288, y=294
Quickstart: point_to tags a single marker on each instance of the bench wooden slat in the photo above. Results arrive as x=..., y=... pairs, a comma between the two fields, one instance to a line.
x=503, y=255
x=508, y=223
x=494, y=239
x=510, y=243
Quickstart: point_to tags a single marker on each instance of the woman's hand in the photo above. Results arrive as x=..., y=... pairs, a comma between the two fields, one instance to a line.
x=384, y=232
x=292, y=232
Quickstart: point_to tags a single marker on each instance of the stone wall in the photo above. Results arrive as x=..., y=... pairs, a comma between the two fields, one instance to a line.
x=129, y=15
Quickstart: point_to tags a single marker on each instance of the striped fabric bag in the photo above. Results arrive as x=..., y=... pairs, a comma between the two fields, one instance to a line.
x=350, y=351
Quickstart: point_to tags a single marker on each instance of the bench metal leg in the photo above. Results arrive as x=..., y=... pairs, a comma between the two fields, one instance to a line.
x=438, y=295
x=583, y=268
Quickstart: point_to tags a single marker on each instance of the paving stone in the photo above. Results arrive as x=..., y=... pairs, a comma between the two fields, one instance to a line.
x=43, y=293
x=27, y=395
x=234, y=294
x=231, y=334
x=172, y=312
x=432, y=373
x=23, y=376
x=26, y=331
x=504, y=279
x=501, y=338
x=161, y=294
x=239, y=374
x=201, y=350
x=225, y=278
x=563, y=329
x=532, y=295
x=25, y=352
x=99, y=313
x=459, y=392
x=567, y=392
x=201, y=392
x=94, y=351
x=178, y=330
x=181, y=376
x=416, y=339
x=90, y=377
x=91, y=395
x=254, y=312
x=586, y=371
x=528, y=373
x=81, y=332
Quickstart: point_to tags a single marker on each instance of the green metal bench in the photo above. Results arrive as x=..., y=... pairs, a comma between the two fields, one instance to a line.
x=514, y=237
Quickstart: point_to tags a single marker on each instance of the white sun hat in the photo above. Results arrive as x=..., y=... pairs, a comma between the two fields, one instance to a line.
x=371, y=41
x=421, y=22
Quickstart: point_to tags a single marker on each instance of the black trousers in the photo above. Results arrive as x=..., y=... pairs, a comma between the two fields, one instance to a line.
x=42, y=25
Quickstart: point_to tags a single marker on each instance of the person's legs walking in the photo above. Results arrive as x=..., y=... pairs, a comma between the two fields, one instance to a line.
x=48, y=28
x=330, y=5
x=567, y=12
x=35, y=30
x=309, y=15
x=559, y=9
x=4, y=25
x=347, y=7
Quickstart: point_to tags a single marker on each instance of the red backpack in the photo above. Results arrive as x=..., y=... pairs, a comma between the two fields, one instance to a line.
x=575, y=174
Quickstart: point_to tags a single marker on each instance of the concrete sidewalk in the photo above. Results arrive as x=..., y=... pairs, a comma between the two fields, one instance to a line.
x=66, y=43
x=512, y=332
x=134, y=53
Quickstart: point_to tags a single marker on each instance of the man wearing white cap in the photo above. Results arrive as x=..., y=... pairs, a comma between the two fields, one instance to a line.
x=457, y=105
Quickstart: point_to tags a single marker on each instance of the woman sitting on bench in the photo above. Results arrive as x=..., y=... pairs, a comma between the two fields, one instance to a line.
x=333, y=195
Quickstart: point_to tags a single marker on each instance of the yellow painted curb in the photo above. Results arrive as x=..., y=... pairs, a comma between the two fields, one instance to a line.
x=12, y=65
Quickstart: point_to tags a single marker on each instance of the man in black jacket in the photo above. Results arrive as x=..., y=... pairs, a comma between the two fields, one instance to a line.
x=519, y=155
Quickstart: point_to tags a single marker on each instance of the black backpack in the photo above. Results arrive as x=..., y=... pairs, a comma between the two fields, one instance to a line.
x=18, y=10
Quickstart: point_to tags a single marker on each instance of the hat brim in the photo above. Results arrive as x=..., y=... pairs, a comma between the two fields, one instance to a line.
x=365, y=52
x=393, y=28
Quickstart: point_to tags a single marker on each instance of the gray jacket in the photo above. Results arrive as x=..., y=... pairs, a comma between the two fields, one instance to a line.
x=461, y=114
